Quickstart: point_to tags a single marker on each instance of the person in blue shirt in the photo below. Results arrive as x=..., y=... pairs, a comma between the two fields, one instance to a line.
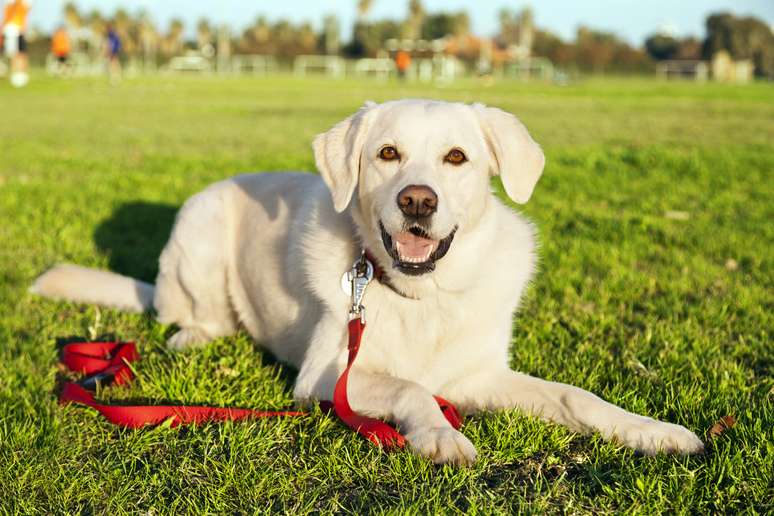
x=113, y=54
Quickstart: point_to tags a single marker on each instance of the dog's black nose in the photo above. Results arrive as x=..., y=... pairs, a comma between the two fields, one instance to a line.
x=417, y=201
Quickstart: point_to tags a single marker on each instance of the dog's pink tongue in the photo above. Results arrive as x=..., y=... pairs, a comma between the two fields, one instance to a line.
x=414, y=247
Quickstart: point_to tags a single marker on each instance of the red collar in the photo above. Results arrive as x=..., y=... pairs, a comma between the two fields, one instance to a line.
x=378, y=269
x=382, y=277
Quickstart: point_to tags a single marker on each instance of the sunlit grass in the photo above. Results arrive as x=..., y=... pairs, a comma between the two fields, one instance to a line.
x=655, y=292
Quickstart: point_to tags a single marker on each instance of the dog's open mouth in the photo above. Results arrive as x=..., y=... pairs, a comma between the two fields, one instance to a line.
x=413, y=251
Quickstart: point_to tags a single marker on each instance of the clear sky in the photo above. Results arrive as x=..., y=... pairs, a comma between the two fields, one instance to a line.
x=631, y=19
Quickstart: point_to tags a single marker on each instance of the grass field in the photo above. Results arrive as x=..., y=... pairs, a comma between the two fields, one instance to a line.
x=656, y=216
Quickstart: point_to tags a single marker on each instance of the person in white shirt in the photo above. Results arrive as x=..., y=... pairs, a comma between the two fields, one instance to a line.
x=14, y=41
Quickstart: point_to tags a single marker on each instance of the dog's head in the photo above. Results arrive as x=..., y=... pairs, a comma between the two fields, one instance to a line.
x=421, y=172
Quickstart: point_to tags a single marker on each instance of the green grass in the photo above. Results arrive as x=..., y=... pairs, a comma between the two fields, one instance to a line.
x=633, y=301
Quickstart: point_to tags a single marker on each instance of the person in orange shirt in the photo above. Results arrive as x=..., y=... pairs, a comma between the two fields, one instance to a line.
x=14, y=41
x=402, y=63
x=60, y=48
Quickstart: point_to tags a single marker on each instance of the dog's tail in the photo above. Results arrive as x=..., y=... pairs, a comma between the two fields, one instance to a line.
x=80, y=284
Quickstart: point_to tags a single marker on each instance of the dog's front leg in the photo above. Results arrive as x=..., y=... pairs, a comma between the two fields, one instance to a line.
x=416, y=413
x=573, y=407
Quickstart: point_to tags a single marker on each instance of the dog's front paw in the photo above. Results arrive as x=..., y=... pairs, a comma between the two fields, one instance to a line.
x=650, y=437
x=442, y=445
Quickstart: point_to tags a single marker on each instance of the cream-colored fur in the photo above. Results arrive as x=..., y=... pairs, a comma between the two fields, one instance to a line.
x=266, y=252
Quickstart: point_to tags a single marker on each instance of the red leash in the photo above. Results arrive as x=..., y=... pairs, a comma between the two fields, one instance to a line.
x=375, y=430
x=108, y=362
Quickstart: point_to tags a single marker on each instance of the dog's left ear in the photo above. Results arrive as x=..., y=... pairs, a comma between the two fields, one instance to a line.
x=516, y=157
x=337, y=154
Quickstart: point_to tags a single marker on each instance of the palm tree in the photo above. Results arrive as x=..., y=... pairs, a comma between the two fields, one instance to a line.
x=203, y=33
x=72, y=17
x=360, y=29
x=331, y=34
x=416, y=15
x=149, y=39
x=74, y=23
x=124, y=26
x=97, y=29
x=173, y=42
x=363, y=7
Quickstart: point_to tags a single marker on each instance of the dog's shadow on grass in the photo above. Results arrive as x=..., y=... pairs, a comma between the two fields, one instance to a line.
x=133, y=237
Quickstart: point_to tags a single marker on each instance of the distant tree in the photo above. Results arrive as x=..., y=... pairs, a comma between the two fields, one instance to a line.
x=595, y=49
x=282, y=39
x=412, y=27
x=509, y=30
x=742, y=38
x=204, y=33
x=551, y=46
x=662, y=47
x=367, y=38
x=515, y=27
x=124, y=26
x=370, y=37
x=172, y=42
x=331, y=36
x=439, y=25
x=72, y=17
x=517, y=31
x=600, y=52
x=628, y=59
x=690, y=48
x=363, y=7
x=358, y=46
x=148, y=37
x=305, y=39
x=96, y=21
x=261, y=31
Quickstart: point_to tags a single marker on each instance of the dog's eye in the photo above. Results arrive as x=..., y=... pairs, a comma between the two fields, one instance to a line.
x=455, y=157
x=389, y=153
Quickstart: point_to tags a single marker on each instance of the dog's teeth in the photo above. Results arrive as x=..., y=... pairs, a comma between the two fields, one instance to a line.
x=415, y=259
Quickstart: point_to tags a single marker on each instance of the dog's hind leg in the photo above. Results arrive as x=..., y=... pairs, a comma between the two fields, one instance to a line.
x=192, y=285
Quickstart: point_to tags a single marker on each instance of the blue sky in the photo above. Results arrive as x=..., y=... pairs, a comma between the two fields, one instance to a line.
x=630, y=19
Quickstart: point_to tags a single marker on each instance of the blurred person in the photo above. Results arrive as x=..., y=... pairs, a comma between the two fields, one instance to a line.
x=14, y=42
x=402, y=63
x=60, y=48
x=113, y=54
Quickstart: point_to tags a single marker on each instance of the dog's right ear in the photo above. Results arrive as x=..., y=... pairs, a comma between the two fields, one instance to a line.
x=337, y=154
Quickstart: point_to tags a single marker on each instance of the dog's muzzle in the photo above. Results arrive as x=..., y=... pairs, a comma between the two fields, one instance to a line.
x=413, y=251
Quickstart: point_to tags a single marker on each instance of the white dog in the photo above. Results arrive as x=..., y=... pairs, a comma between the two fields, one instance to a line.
x=408, y=181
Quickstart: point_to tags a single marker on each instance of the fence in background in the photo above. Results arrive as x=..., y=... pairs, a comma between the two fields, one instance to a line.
x=442, y=68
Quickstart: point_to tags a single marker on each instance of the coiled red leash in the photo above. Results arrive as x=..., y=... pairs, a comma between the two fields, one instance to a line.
x=106, y=363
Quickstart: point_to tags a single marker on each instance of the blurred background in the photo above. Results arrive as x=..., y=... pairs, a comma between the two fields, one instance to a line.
x=426, y=40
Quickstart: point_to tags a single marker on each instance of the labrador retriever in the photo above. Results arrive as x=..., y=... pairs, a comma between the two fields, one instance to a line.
x=408, y=182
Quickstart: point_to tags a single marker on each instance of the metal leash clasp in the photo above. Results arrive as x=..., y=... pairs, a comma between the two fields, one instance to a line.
x=361, y=273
